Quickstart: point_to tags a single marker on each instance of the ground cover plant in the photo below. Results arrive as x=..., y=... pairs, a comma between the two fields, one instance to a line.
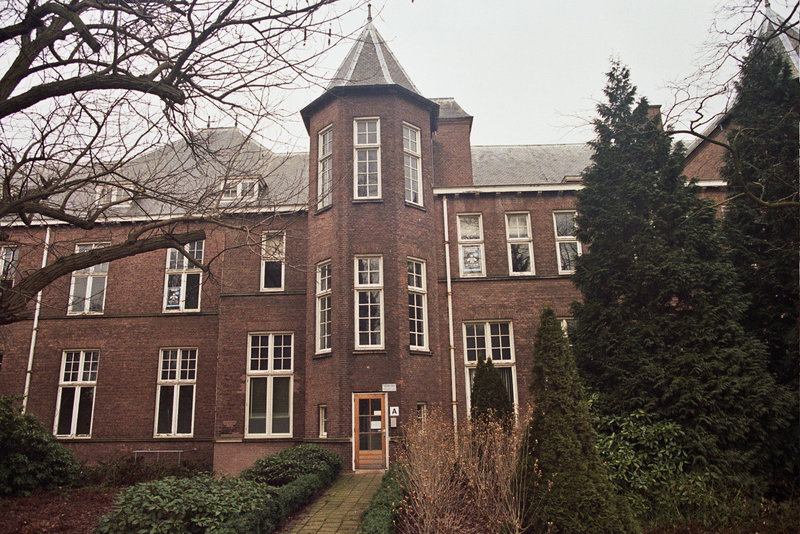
x=386, y=506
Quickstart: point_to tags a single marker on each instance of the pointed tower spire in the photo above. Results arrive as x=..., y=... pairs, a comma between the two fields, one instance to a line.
x=370, y=62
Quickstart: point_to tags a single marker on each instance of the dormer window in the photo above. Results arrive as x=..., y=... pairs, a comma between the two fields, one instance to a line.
x=111, y=195
x=235, y=190
x=367, y=159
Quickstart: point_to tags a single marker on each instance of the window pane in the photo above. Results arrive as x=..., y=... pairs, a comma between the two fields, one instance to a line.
x=165, y=409
x=185, y=404
x=517, y=225
x=469, y=226
x=169, y=364
x=520, y=257
x=565, y=224
x=84, y=423
x=273, y=271
x=282, y=352
x=173, y=291
x=192, y=301
x=280, y=405
x=188, y=364
x=258, y=406
x=569, y=253
x=471, y=255
x=64, y=427
x=508, y=381
x=97, y=294
x=259, y=353
x=78, y=294
x=72, y=362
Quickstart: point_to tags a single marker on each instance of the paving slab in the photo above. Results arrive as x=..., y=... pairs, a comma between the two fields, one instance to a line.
x=338, y=509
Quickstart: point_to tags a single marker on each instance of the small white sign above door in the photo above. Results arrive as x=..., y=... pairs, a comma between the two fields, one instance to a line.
x=389, y=387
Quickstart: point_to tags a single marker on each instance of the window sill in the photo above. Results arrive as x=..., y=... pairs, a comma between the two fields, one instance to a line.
x=184, y=312
x=367, y=201
x=321, y=355
x=267, y=438
x=420, y=352
x=89, y=313
x=272, y=290
x=415, y=206
x=323, y=210
x=173, y=436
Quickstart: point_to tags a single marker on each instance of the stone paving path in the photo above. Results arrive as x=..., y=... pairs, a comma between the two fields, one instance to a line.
x=338, y=508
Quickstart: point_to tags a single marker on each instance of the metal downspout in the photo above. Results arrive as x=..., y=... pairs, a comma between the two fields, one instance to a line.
x=453, y=400
x=35, y=329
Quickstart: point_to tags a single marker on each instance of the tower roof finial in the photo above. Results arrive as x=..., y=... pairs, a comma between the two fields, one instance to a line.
x=369, y=12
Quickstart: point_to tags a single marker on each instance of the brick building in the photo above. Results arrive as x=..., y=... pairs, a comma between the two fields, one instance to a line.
x=398, y=255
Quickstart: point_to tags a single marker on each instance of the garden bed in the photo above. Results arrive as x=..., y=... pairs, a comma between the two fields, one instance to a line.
x=68, y=511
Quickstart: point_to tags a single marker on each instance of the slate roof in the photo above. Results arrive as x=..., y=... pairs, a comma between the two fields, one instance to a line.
x=449, y=109
x=370, y=62
x=528, y=164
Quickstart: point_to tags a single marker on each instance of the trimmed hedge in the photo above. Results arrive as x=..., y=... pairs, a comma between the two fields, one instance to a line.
x=287, y=465
x=225, y=505
x=385, y=507
x=31, y=457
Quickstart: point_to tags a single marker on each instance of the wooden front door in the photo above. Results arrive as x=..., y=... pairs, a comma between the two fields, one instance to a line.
x=370, y=431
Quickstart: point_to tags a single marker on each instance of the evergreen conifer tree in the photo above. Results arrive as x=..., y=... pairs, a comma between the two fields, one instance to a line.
x=660, y=325
x=562, y=440
x=761, y=217
x=489, y=397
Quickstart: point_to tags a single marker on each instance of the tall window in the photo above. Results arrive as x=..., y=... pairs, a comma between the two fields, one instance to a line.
x=491, y=340
x=417, y=305
x=367, y=147
x=239, y=189
x=324, y=307
x=412, y=158
x=183, y=279
x=273, y=253
x=369, y=301
x=323, y=421
x=177, y=375
x=9, y=259
x=470, y=244
x=520, y=247
x=325, y=176
x=75, y=403
x=269, y=384
x=88, y=289
x=568, y=248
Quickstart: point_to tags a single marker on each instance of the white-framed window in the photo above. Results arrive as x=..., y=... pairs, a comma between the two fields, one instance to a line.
x=325, y=174
x=87, y=293
x=491, y=340
x=273, y=264
x=9, y=260
x=270, y=376
x=239, y=189
x=417, y=305
x=568, y=248
x=367, y=158
x=183, y=279
x=422, y=412
x=105, y=194
x=369, y=302
x=470, y=244
x=76, y=393
x=412, y=164
x=323, y=287
x=323, y=421
x=520, y=244
x=177, y=375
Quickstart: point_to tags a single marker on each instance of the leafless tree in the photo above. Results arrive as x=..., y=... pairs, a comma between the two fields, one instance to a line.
x=88, y=88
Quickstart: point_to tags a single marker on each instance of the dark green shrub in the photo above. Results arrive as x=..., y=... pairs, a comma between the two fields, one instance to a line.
x=287, y=465
x=562, y=441
x=383, y=511
x=31, y=458
x=127, y=471
x=489, y=397
x=194, y=505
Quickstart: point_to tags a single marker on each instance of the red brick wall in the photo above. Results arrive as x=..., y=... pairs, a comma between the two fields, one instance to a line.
x=452, y=153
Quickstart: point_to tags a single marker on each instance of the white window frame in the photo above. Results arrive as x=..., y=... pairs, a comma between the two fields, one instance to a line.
x=519, y=241
x=86, y=378
x=414, y=156
x=511, y=362
x=176, y=383
x=270, y=374
x=89, y=274
x=269, y=254
x=9, y=261
x=323, y=420
x=419, y=291
x=564, y=239
x=325, y=167
x=366, y=146
x=116, y=195
x=186, y=269
x=324, y=303
x=366, y=288
x=470, y=242
x=240, y=193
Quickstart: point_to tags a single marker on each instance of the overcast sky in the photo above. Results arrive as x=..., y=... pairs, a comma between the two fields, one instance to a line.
x=530, y=72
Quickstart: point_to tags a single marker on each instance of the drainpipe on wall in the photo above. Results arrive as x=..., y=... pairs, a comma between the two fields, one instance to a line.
x=450, y=319
x=35, y=327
